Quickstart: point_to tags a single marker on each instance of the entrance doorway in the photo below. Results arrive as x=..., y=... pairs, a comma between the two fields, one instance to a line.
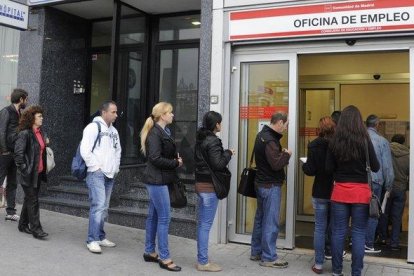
x=375, y=82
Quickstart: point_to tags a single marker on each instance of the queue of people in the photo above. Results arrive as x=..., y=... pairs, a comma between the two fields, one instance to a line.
x=338, y=159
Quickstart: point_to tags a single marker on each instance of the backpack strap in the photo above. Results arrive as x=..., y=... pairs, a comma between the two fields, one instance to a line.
x=98, y=138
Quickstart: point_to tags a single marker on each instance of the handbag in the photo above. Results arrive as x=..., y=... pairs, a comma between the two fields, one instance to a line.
x=178, y=194
x=221, y=180
x=246, y=184
x=50, y=159
x=374, y=203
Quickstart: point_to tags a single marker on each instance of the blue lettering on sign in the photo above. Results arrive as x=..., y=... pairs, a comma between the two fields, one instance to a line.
x=13, y=13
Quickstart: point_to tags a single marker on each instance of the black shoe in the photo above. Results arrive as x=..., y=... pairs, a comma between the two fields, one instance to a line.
x=150, y=258
x=39, y=235
x=166, y=266
x=25, y=229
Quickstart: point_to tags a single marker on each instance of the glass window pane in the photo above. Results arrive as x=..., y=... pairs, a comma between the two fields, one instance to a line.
x=179, y=27
x=264, y=90
x=9, y=57
x=101, y=34
x=132, y=26
x=179, y=86
x=100, y=81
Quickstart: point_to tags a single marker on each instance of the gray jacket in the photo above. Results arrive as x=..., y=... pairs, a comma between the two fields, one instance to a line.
x=385, y=175
x=401, y=162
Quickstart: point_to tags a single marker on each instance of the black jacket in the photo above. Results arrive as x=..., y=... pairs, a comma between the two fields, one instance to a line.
x=9, y=121
x=215, y=155
x=353, y=170
x=161, y=157
x=315, y=166
x=27, y=151
x=270, y=159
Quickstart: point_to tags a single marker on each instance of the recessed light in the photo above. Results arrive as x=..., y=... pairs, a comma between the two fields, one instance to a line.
x=196, y=23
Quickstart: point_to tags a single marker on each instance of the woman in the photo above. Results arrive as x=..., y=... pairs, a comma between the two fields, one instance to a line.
x=30, y=158
x=322, y=187
x=158, y=146
x=208, y=149
x=346, y=159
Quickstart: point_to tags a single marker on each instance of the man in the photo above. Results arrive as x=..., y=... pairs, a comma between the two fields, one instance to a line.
x=380, y=180
x=103, y=165
x=396, y=200
x=270, y=162
x=9, y=121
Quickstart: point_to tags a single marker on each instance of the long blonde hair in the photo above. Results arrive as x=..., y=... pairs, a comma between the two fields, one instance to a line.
x=158, y=110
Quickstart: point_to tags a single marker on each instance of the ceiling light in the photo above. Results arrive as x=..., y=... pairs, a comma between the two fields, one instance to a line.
x=196, y=23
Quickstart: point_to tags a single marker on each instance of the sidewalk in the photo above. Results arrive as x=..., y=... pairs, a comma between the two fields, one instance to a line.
x=65, y=253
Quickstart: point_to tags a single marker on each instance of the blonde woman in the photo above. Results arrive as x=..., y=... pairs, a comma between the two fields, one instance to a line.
x=159, y=147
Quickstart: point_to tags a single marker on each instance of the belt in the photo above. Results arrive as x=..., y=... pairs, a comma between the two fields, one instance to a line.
x=267, y=185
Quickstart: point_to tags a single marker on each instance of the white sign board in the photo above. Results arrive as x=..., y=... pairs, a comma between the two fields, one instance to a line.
x=336, y=18
x=13, y=14
x=42, y=2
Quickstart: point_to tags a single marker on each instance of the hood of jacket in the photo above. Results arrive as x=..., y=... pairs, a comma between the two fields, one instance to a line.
x=399, y=150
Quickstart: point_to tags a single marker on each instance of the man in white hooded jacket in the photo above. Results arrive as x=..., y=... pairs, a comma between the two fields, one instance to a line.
x=103, y=165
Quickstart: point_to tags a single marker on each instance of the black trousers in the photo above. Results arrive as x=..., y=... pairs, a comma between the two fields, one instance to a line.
x=30, y=209
x=8, y=168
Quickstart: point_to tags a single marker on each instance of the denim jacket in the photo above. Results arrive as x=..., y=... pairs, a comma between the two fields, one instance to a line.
x=385, y=175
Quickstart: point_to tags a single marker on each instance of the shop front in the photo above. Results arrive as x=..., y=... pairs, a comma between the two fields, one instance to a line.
x=308, y=60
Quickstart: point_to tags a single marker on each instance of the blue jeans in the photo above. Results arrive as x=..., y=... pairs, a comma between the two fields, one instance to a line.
x=340, y=215
x=266, y=223
x=100, y=189
x=372, y=222
x=158, y=220
x=321, y=207
x=394, y=209
x=207, y=206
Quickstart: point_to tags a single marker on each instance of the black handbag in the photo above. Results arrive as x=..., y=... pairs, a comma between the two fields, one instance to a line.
x=221, y=179
x=374, y=203
x=246, y=184
x=178, y=194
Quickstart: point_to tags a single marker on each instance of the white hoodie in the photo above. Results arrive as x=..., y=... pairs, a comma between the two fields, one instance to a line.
x=107, y=154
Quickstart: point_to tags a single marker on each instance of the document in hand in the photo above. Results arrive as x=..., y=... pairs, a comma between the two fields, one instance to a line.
x=303, y=159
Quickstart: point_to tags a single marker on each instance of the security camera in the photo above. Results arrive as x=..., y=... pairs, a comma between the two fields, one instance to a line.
x=376, y=76
x=350, y=42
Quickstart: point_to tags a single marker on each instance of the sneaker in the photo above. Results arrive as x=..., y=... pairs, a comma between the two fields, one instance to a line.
x=106, y=243
x=371, y=250
x=12, y=217
x=255, y=258
x=211, y=267
x=382, y=243
x=276, y=264
x=94, y=247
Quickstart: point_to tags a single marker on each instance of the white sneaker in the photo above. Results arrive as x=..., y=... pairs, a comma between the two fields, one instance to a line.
x=94, y=247
x=106, y=243
x=371, y=250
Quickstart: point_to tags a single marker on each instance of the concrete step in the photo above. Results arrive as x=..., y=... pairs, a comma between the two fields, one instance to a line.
x=67, y=206
x=69, y=192
x=71, y=181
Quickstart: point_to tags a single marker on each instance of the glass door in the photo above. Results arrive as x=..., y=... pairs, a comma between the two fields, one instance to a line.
x=261, y=85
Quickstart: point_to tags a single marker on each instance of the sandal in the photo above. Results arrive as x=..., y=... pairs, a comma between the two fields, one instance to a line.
x=151, y=258
x=168, y=266
x=12, y=217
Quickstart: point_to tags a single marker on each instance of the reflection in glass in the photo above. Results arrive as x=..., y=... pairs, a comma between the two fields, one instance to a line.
x=178, y=84
x=101, y=33
x=100, y=81
x=132, y=26
x=180, y=27
x=264, y=90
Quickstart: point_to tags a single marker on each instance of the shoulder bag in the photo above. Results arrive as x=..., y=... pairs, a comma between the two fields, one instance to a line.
x=246, y=184
x=50, y=159
x=374, y=203
x=221, y=179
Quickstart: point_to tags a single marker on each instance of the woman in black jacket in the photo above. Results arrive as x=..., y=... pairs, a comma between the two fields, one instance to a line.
x=346, y=159
x=208, y=149
x=159, y=147
x=322, y=187
x=30, y=158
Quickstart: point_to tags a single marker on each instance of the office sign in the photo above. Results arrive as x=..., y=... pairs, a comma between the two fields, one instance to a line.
x=338, y=18
x=13, y=14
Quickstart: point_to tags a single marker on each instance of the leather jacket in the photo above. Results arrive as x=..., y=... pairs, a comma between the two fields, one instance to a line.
x=9, y=121
x=218, y=158
x=27, y=151
x=161, y=157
